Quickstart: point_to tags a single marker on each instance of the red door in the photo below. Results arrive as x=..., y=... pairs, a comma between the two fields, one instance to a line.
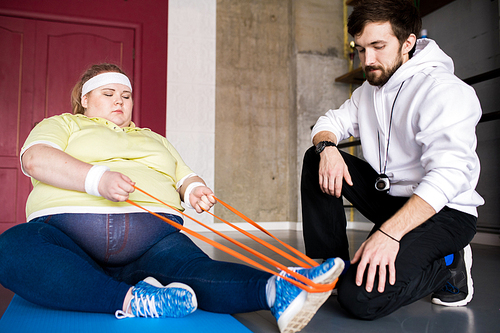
x=16, y=93
x=39, y=64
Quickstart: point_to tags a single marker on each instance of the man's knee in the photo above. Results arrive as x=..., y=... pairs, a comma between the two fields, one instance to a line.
x=310, y=157
x=361, y=303
x=310, y=166
x=353, y=299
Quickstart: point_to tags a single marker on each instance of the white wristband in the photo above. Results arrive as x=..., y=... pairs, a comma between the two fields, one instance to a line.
x=188, y=191
x=93, y=178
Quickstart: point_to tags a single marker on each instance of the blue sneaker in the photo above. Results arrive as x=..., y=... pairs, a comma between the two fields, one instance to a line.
x=293, y=307
x=153, y=300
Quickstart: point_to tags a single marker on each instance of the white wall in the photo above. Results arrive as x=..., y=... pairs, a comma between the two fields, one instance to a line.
x=191, y=88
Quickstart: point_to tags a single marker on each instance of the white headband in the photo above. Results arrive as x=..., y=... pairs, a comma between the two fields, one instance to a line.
x=103, y=79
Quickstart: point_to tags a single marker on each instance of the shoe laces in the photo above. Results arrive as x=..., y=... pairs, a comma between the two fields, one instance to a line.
x=448, y=287
x=146, y=305
x=152, y=302
x=142, y=304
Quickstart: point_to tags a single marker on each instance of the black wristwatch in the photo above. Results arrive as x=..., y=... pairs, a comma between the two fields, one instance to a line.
x=322, y=145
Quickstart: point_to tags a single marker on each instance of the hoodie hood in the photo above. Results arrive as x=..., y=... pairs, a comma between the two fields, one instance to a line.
x=427, y=56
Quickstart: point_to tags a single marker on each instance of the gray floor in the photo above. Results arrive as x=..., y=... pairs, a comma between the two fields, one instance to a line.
x=482, y=314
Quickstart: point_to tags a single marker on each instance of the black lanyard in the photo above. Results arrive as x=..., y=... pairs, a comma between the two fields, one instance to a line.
x=388, y=135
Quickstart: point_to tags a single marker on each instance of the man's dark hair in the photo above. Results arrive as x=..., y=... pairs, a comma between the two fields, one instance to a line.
x=402, y=14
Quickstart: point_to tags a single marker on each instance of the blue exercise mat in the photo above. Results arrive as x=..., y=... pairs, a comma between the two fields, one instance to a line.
x=22, y=317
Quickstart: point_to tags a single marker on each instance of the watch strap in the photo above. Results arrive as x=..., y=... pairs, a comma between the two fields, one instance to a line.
x=323, y=144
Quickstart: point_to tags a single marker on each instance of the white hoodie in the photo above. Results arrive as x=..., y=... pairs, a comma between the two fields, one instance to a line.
x=432, y=146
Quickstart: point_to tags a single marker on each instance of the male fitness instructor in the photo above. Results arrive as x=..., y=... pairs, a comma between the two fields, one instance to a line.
x=416, y=121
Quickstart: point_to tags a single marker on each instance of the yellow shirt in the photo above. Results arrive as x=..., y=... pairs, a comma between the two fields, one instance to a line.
x=144, y=156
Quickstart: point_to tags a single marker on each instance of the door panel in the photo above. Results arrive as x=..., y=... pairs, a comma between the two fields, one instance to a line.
x=16, y=94
x=16, y=82
x=65, y=51
x=10, y=82
x=8, y=179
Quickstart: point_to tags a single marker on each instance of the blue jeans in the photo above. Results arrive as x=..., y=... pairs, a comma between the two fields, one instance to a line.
x=88, y=262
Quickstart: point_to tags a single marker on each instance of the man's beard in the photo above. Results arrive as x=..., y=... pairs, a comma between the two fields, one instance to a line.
x=385, y=74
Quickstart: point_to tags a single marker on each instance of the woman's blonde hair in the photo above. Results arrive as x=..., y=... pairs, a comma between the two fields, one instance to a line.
x=76, y=93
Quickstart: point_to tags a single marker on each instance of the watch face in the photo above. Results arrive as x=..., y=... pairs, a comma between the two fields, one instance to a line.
x=320, y=146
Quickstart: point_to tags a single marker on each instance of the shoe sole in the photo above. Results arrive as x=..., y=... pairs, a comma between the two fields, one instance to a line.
x=470, y=284
x=295, y=318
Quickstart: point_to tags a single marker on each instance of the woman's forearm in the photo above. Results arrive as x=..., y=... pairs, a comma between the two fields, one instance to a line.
x=54, y=167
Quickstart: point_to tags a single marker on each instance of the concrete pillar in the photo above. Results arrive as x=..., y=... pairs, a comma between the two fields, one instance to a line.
x=254, y=162
x=276, y=65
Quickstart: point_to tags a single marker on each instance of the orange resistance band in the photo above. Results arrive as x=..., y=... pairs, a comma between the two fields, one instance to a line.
x=306, y=284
